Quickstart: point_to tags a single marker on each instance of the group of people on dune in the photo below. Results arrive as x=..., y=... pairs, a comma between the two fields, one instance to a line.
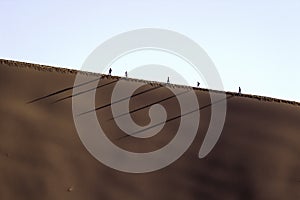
x=168, y=80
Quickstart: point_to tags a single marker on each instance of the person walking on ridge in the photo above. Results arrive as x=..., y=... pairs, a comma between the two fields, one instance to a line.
x=240, y=91
x=109, y=72
x=168, y=81
x=198, y=84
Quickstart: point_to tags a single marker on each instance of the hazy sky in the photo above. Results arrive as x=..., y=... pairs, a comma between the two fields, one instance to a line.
x=254, y=44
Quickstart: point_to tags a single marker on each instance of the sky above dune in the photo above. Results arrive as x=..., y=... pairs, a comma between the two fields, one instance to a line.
x=254, y=44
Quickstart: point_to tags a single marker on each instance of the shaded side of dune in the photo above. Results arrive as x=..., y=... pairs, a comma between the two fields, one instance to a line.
x=42, y=157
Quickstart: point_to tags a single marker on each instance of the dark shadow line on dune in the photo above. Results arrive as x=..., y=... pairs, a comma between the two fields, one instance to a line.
x=120, y=100
x=148, y=105
x=82, y=92
x=176, y=117
x=61, y=91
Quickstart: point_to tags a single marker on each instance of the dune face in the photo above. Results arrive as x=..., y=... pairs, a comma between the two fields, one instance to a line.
x=42, y=156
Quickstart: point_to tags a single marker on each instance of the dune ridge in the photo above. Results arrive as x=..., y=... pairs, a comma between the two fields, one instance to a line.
x=48, y=68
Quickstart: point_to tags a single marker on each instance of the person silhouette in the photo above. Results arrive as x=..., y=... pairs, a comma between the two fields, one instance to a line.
x=240, y=91
x=126, y=74
x=198, y=84
x=109, y=72
x=168, y=81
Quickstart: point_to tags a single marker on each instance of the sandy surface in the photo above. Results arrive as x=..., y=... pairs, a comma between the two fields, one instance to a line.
x=42, y=157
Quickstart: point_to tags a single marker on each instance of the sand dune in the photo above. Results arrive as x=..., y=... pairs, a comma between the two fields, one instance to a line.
x=42, y=157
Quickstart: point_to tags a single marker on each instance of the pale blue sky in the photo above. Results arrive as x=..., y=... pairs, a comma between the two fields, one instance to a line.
x=254, y=44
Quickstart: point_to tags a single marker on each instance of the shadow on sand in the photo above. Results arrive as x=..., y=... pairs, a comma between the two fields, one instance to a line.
x=70, y=88
x=148, y=105
x=123, y=99
x=176, y=117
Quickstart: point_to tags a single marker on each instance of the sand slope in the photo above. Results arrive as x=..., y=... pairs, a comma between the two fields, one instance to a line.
x=42, y=157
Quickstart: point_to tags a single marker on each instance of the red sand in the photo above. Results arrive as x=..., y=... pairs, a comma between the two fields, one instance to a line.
x=42, y=157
